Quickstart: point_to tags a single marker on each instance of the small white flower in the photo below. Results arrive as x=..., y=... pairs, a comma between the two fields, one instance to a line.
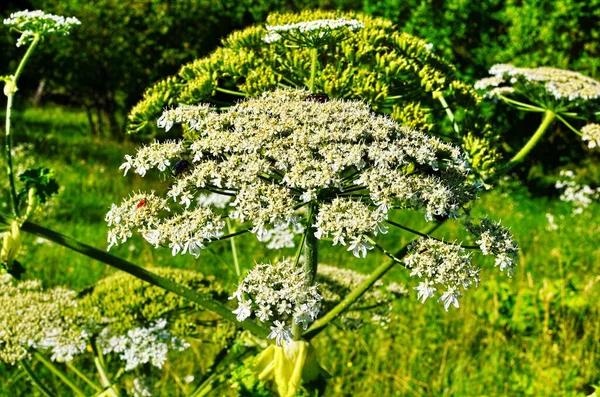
x=243, y=310
x=281, y=333
x=449, y=297
x=425, y=291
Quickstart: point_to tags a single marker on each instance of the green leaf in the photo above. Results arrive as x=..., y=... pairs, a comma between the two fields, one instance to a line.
x=42, y=180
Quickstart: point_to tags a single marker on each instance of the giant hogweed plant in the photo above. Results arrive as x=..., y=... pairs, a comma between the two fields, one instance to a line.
x=332, y=170
x=357, y=57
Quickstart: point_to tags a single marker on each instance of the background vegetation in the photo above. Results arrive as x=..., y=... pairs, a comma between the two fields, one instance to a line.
x=537, y=334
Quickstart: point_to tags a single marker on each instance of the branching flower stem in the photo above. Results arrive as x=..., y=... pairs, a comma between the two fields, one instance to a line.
x=60, y=374
x=314, y=52
x=558, y=116
x=378, y=273
x=311, y=245
x=418, y=233
x=35, y=380
x=449, y=113
x=9, y=90
x=83, y=377
x=143, y=274
x=546, y=121
x=231, y=92
x=236, y=262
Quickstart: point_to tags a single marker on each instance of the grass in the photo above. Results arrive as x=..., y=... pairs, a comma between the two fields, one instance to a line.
x=535, y=334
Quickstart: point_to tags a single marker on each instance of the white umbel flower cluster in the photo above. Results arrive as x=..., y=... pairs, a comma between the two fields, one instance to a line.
x=185, y=232
x=280, y=294
x=156, y=155
x=283, y=151
x=320, y=30
x=441, y=264
x=494, y=239
x=557, y=84
x=142, y=345
x=591, y=135
x=32, y=23
x=581, y=196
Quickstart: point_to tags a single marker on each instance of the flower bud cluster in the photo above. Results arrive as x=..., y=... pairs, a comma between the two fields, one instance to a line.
x=579, y=195
x=591, y=135
x=443, y=264
x=142, y=345
x=32, y=23
x=495, y=239
x=278, y=293
x=557, y=84
x=313, y=32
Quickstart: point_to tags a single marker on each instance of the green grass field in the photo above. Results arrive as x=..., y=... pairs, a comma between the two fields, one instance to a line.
x=536, y=334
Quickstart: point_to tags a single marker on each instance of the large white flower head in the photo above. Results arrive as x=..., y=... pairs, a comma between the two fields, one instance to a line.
x=278, y=293
x=38, y=23
x=541, y=85
x=286, y=151
x=313, y=33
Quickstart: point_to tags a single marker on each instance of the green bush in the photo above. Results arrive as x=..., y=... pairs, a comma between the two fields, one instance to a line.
x=474, y=35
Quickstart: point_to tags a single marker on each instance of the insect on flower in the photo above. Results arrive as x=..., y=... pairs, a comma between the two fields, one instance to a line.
x=180, y=167
x=141, y=204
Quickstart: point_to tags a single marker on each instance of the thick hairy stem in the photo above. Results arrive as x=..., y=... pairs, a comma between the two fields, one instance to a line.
x=353, y=296
x=205, y=301
x=520, y=156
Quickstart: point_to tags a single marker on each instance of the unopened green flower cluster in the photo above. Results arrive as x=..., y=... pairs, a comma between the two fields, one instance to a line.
x=363, y=58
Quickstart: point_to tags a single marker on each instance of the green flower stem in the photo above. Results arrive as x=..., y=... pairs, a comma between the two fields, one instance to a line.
x=35, y=380
x=311, y=245
x=9, y=90
x=60, y=374
x=314, y=52
x=8, y=157
x=520, y=156
x=236, y=261
x=449, y=112
x=418, y=233
x=143, y=274
x=83, y=377
x=568, y=125
x=231, y=92
x=353, y=296
x=527, y=106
